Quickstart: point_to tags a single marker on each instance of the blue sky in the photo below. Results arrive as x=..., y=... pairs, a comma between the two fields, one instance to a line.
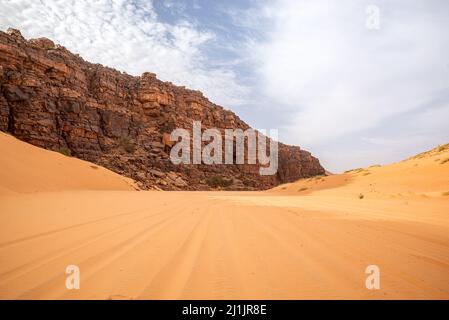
x=352, y=92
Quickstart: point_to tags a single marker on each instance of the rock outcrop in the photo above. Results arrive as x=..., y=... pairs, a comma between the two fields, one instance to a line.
x=54, y=99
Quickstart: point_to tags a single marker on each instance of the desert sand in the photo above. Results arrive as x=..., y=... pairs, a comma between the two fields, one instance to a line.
x=29, y=169
x=311, y=239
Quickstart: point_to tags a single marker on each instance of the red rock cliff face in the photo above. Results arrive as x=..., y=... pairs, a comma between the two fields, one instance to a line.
x=54, y=99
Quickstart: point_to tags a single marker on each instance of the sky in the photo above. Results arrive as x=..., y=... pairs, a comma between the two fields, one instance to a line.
x=354, y=82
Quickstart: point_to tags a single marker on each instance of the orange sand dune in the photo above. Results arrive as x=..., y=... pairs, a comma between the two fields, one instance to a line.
x=423, y=176
x=286, y=243
x=26, y=168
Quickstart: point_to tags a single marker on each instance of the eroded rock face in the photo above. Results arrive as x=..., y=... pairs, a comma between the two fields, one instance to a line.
x=54, y=99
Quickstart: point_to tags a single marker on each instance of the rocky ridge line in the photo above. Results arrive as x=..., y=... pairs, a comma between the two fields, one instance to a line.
x=54, y=99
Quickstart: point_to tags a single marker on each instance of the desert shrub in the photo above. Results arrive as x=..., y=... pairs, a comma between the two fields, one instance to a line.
x=65, y=151
x=127, y=144
x=218, y=181
x=356, y=170
x=361, y=196
x=443, y=147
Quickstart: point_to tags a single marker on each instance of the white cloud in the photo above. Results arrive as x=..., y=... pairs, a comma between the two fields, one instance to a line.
x=127, y=36
x=350, y=95
x=343, y=77
x=334, y=78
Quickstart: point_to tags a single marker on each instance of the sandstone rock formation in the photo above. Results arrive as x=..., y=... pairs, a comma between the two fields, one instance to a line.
x=54, y=99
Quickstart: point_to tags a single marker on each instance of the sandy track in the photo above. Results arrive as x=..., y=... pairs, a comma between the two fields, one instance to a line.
x=310, y=239
x=159, y=245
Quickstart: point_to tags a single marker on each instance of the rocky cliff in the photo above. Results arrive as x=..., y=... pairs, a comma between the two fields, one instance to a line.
x=54, y=99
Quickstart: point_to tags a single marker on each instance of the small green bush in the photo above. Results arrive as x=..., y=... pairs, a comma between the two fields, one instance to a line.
x=443, y=147
x=127, y=144
x=218, y=181
x=65, y=151
x=356, y=170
